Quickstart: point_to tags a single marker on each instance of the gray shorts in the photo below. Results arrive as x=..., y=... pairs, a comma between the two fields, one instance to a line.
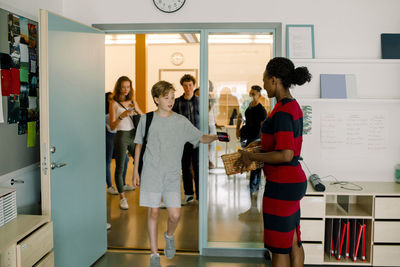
x=167, y=186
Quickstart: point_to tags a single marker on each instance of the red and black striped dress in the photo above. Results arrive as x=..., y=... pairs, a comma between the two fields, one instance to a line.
x=286, y=183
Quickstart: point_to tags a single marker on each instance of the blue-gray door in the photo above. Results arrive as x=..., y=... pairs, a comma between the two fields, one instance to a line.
x=72, y=133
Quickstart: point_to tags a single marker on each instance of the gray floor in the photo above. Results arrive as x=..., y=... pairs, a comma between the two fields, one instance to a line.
x=132, y=259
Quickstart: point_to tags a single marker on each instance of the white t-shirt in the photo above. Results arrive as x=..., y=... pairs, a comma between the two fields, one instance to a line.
x=126, y=124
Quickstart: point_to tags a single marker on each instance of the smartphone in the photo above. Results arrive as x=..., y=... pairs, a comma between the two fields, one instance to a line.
x=223, y=137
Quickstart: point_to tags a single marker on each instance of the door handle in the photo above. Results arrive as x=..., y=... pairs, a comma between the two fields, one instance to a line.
x=16, y=181
x=54, y=165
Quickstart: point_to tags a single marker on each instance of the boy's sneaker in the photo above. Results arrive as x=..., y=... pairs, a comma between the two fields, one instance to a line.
x=128, y=187
x=108, y=226
x=155, y=260
x=111, y=190
x=123, y=204
x=169, y=249
x=188, y=199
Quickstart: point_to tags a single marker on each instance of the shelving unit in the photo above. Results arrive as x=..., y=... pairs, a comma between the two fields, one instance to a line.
x=377, y=203
x=27, y=241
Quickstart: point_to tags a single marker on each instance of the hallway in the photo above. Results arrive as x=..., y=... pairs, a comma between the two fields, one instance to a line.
x=233, y=216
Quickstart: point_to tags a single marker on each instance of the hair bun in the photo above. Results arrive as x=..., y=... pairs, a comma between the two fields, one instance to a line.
x=301, y=75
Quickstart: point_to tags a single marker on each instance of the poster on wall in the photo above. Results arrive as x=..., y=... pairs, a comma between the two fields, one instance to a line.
x=15, y=55
x=13, y=109
x=32, y=35
x=23, y=98
x=21, y=75
x=5, y=61
x=23, y=26
x=13, y=28
x=33, y=85
x=32, y=60
x=5, y=82
x=1, y=107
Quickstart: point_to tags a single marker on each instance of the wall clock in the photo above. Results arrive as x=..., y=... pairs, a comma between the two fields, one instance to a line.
x=177, y=58
x=169, y=6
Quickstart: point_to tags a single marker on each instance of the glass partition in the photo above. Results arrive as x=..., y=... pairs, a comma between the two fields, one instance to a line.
x=236, y=61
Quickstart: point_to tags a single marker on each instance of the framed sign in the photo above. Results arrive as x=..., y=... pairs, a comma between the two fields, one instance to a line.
x=300, y=41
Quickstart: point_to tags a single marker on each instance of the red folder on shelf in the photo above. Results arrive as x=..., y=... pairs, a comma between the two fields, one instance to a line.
x=363, y=243
x=348, y=239
x=343, y=234
x=359, y=234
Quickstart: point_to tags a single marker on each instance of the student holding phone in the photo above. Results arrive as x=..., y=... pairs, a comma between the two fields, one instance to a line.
x=122, y=109
x=255, y=115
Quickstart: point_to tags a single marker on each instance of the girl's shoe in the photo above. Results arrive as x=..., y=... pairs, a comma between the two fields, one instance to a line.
x=123, y=204
x=155, y=260
x=111, y=190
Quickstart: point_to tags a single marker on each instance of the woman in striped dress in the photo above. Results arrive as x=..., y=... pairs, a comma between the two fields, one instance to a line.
x=286, y=182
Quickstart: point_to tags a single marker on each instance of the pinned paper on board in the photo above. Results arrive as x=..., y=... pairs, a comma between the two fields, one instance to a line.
x=1, y=107
x=31, y=133
x=24, y=72
x=24, y=52
x=5, y=82
x=307, y=119
x=32, y=102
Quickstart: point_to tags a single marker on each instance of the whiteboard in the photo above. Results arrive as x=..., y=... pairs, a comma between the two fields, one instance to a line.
x=353, y=140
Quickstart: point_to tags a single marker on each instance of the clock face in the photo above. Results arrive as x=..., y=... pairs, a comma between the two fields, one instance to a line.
x=177, y=58
x=169, y=6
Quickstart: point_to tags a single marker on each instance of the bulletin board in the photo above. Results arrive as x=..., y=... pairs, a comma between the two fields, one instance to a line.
x=353, y=140
x=19, y=103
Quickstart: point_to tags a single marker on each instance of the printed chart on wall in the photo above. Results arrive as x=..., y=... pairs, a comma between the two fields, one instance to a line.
x=352, y=137
x=19, y=76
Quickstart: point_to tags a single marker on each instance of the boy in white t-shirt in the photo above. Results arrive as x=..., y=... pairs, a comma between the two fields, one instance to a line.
x=160, y=176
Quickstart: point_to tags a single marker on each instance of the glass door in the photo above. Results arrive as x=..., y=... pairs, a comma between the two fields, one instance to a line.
x=232, y=58
x=236, y=62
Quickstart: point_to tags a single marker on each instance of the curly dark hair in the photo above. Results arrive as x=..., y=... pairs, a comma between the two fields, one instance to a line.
x=283, y=68
x=188, y=78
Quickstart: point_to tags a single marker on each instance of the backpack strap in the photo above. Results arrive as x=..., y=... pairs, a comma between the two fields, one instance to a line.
x=121, y=104
x=135, y=118
x=149, y=118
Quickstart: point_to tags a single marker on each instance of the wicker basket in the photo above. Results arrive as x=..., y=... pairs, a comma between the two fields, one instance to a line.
x=229, y=161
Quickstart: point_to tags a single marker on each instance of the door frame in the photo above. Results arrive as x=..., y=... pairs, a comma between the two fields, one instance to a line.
x=204, y=29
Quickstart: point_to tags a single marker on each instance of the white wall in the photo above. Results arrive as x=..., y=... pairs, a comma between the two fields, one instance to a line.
x=343, y=28
x=228, y=64
x=30, y=8
x=119, y=61
x=159, y=57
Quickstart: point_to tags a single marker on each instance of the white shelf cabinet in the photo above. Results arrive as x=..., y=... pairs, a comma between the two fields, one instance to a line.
x=27, y=241
x=378, y=203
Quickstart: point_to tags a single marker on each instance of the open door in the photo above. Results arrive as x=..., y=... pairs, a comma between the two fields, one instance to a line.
x=72, y=138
